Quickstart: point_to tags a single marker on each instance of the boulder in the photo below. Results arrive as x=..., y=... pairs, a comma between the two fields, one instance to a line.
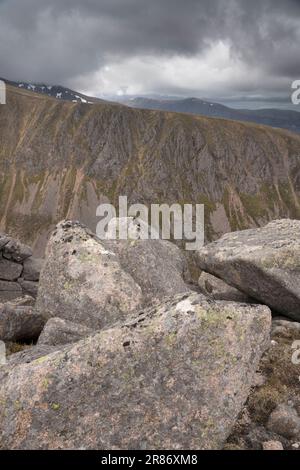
x=83, y=282
x=29, y=287
x=16, y=251
x=9, y=270
x=284, y=421
x=174, y=376
x=220, y=290
x=19, y=323
x=264, y=263
x=272, y=445
x=9, y=290
x=157, y=266
x=32, y=269
x=4, y=239
x=58, y=331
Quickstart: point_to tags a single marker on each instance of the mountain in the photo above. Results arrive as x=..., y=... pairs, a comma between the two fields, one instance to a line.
x=284, y=119
x=60, y=159
x=54, y=91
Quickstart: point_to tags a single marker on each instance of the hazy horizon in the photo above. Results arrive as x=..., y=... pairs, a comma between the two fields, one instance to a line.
x=186, y=49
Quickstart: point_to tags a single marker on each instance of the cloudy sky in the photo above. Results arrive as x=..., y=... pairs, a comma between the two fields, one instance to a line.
x=204, y=48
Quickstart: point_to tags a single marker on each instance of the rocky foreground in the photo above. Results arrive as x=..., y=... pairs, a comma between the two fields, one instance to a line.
x=119, y=351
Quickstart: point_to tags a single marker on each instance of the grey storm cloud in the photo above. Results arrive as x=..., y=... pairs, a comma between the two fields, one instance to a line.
x=59, y=41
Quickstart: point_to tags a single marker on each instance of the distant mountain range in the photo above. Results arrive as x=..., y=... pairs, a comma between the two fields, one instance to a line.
x=279, y=118
x=284, y=119
x=55, y=91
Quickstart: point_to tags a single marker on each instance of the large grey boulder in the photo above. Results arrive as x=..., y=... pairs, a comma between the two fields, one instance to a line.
x=82, y=281
x=173, y=377
x=264, y=263
x=157, y=266
x=58, y=331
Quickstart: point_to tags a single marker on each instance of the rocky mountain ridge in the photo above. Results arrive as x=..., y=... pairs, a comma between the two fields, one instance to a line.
x=60, y=159
x=284, y=119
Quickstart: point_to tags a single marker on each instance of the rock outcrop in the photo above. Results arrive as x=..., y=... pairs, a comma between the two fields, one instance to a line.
x=173, y=377
x=19, y=270
x=83, y=282
x=263, y=263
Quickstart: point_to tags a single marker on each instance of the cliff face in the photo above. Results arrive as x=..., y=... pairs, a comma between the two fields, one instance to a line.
x=60, y=160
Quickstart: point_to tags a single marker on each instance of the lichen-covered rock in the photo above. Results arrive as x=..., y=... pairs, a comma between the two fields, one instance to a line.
x=173, y=377
x=157, y=266
x=264, y=263
x=220, y=290
x=58, y=331
x=19, y=323
x=82, y=281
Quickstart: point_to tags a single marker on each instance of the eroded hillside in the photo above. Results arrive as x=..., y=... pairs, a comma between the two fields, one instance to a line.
x=60, y=160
